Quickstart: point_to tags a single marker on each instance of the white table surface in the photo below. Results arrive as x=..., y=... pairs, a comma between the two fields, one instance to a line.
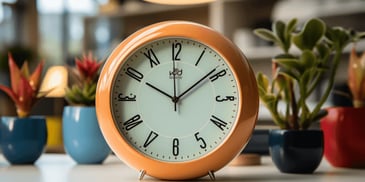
x=61, y=168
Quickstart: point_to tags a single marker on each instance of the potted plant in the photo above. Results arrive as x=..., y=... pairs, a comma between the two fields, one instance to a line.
x=344, y=127
x=309, y=59
x=82, y=136
x=23, y=137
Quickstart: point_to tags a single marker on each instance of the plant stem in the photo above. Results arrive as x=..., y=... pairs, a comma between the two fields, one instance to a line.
x=294, y=118
x=318, y=107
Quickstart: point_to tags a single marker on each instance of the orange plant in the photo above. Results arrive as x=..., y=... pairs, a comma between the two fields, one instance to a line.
x=356, y=78
x=24, y=88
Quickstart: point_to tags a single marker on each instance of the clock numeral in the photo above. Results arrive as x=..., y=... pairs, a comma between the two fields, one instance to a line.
x=200, y=57
x=203, y=145
x=218, y=122
x=225, y=98
x=152, y=57
x=151, y=137
x=175, y=147
x=133, y=122
x=217, y=75
x=176, y=48
x=131, y=97
x=134, y=74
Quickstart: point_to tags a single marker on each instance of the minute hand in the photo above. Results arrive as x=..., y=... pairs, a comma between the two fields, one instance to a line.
x=195, y=84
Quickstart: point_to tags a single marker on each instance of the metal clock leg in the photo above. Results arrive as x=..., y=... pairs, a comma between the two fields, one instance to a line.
x=141, y=175
x=211, y=175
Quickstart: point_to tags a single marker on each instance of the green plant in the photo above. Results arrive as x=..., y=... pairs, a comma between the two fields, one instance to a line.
x=24, y=90
x=298, y=72
x=85, y=77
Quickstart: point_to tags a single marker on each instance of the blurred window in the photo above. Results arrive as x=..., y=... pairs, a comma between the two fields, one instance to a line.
x=61, y=27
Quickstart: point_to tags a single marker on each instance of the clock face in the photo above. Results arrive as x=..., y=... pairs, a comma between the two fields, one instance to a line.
x=174, y=99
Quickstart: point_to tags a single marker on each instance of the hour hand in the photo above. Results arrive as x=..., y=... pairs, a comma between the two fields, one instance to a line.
x=159, y=90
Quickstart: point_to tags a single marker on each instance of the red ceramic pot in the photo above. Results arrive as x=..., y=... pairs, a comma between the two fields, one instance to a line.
x=344, y=137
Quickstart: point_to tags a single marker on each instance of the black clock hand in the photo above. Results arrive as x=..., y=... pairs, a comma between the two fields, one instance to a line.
x=174, y=77
x=195, y=84
x=159, y=90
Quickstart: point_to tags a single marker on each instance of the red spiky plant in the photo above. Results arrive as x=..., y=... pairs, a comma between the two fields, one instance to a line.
x=24, y=89
x=85, y=75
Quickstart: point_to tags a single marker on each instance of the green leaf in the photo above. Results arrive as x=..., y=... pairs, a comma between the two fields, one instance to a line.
x=291, y=67
x=262, y=92
x=289, y=63
x=279, y=82
x=270, y=101
x=291, y=26
x=289, y=73
x=311, y=34
x=308, y=59
x=339, y=37
x=279, y=30
x=263, y=81
x=323, y=51
x=288, y=33
x=263, y=84
x=359, y=35
x=266, y=34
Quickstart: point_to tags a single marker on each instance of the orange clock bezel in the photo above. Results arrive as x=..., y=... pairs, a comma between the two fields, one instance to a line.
x=246, y=116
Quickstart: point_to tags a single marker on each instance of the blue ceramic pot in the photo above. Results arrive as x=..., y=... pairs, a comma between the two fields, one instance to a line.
x=23, y=140
x=82, y=136
x=296, y=151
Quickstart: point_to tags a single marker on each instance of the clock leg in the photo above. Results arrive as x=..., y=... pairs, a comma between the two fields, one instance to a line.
x=141, y=175
x=211, y=175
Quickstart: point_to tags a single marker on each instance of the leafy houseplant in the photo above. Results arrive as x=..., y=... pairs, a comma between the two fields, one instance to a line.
x=23, y=138
x=82, y=137
x=309, y=53
x=297, y=75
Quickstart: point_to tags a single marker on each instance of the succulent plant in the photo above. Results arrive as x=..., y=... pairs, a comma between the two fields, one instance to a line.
x=85, y=76
x=298, y=72
x=356, y=78
x=24, y=90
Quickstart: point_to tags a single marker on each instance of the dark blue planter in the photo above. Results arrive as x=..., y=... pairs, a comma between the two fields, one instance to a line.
x=82, y=136
x=296, y=151
x=23, y=140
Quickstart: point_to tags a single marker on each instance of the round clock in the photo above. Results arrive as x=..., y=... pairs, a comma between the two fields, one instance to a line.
x=176, y=100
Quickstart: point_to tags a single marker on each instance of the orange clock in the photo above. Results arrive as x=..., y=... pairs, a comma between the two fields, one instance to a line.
x=177, y=100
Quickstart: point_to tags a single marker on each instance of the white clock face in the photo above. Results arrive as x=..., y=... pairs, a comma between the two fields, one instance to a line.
x=174, y=100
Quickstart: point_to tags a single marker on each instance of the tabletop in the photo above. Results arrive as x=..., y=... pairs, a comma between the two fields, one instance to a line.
x=61, y=168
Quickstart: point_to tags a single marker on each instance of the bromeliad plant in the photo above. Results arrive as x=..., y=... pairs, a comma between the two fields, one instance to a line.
x=296, y=74
x=85, y=77
x=24, y=90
